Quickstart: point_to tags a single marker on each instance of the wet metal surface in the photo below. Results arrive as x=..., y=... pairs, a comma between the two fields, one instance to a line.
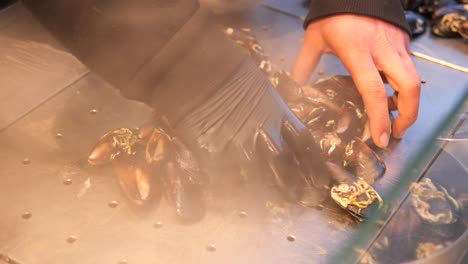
x=246, y=227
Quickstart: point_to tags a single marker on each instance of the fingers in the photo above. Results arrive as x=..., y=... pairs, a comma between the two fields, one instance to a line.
x=369, y=83
x=407, y=100
x=353, y=194
x=307, y=59
x=134, y=179
x=404, y=79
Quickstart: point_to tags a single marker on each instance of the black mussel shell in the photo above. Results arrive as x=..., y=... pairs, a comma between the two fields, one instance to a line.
x=449, y=26
x=341, y=176
x=136, y=180
x=424, y=7
x=416, y=22
x=288, y=88
x=343, y=103
x=184, y=184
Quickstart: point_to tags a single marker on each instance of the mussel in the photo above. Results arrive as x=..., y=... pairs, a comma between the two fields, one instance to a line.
x=150, y=161
x=333, y=111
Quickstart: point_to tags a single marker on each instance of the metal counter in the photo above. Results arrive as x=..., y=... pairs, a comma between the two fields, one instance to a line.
x=55, y=208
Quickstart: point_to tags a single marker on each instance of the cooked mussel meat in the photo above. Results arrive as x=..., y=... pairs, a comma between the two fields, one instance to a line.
x=433, y=203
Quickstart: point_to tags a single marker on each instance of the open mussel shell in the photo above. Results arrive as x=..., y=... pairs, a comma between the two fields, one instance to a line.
x=353, y=194
x=158, y=146
x=124, y=148
x=112, y=144
x=451, y=21
x=136, y=180
x=439, y=212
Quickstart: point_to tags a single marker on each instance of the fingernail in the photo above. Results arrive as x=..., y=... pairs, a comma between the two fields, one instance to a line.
x=384, y=139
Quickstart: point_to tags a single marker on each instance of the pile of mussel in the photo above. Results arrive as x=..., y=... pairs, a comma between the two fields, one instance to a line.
x=333, y=111
x=447, y=19
x=151, y=160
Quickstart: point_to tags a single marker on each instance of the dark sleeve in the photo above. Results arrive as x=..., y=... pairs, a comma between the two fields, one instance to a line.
x=388, y=10
x=160, y=52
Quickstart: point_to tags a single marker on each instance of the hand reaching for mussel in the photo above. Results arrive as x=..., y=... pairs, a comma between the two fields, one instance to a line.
x=366, y=46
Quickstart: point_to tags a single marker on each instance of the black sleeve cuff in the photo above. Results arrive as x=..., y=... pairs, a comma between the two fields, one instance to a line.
x=388, y=10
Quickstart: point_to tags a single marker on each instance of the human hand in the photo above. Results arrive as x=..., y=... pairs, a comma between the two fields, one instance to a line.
x=366, y=46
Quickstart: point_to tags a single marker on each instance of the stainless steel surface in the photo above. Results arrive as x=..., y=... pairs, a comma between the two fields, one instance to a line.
x=65, y=197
